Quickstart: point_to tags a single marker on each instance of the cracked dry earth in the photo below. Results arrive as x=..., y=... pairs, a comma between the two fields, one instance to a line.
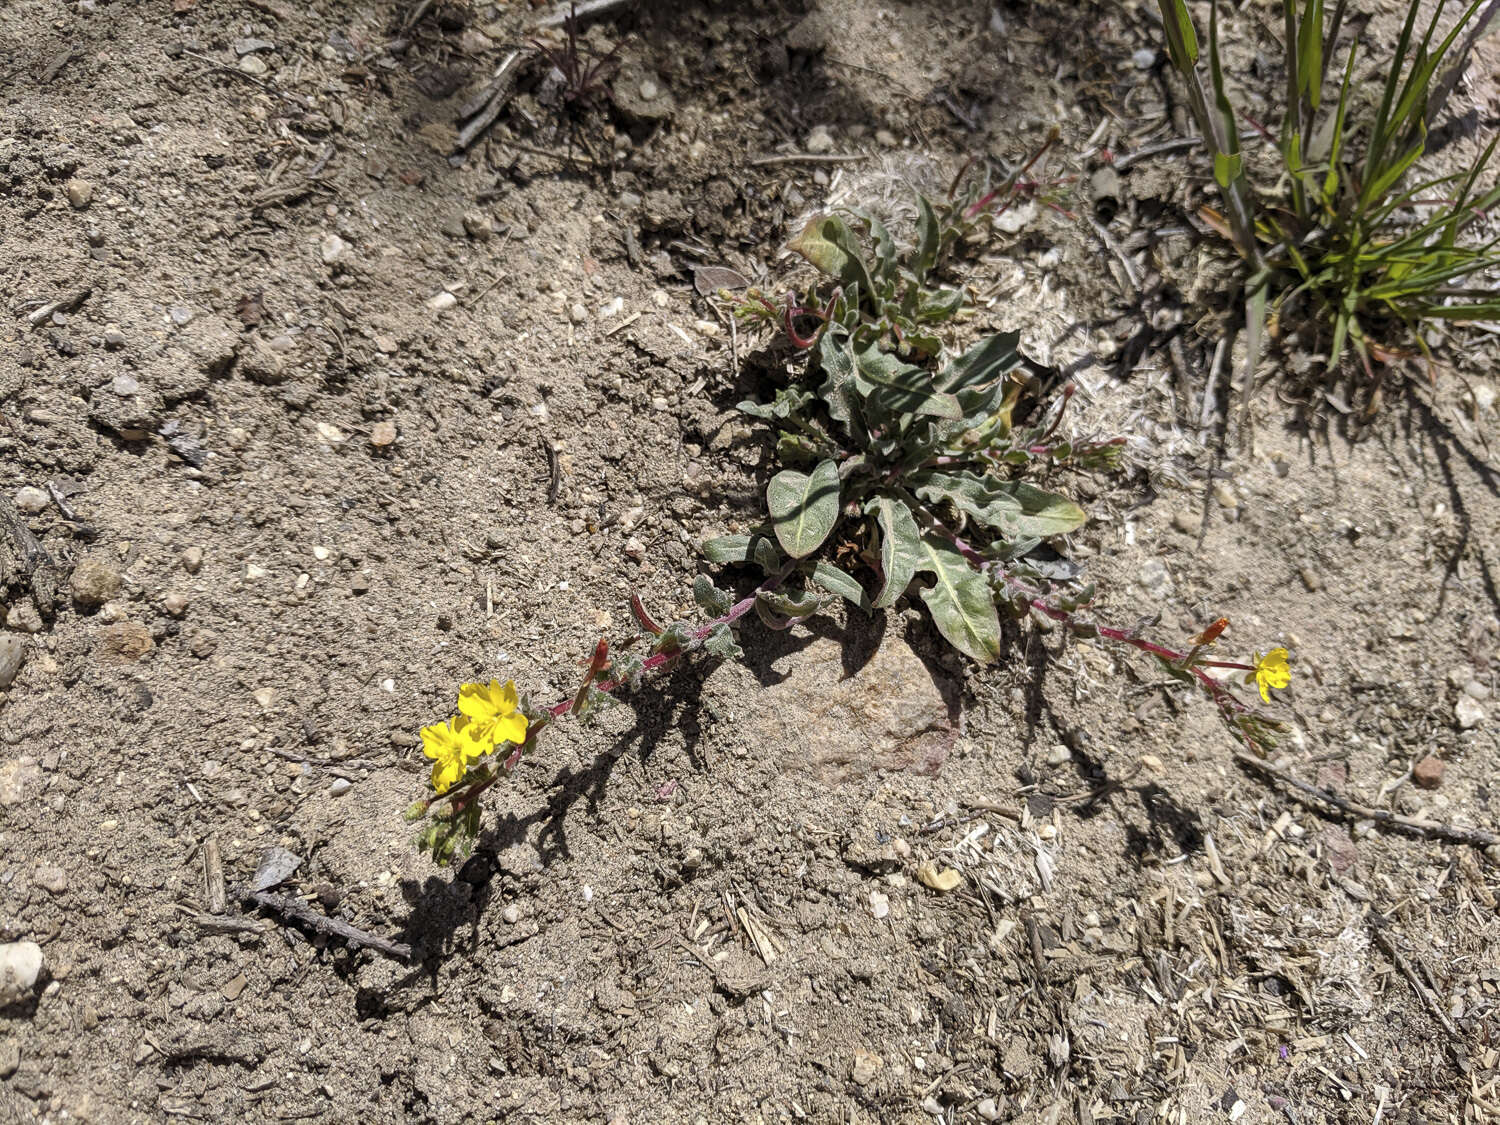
x=308, y=418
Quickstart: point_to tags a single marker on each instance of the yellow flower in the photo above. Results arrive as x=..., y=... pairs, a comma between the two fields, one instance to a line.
x=492, y=709
x=451, y=746
x=1271, y=671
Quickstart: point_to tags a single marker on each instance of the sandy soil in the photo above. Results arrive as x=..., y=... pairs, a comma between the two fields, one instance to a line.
x=292, y=376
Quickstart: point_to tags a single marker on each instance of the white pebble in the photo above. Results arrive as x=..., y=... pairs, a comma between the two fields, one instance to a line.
x=332, y=249
x=340, y=786
x=31, y=500
x=441, y=302
x=20, y=965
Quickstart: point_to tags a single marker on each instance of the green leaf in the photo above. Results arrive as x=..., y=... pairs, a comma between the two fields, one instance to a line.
x=757, y=549
x=804, y=507
x=989, y=359
x=979, y=498
x=903, y=389
x=899, y=553
x=1182, y=40
x=837, y=362
x=929, y=240
x=720, y=642
x=836, y=581
x=1227, y=167
x=799, y=603
x=1043, y=513
x=711, y=600
x=829, y=244
x=940, y=304
x=885, y=246
x=959, y=600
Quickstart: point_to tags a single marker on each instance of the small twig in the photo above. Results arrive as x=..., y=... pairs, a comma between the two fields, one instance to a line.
x=250, y=78
x=214, y=897
x=296, y=910
x=1182, y=144
x=698, y=953
x=1114, y=248
x=231, y=924
x=808, y=158
x=61, y=305
x=562, y=157
x=496, y=98
x=587, y=10
x=554, y=472
x=1383, y=940
x=1428, y=829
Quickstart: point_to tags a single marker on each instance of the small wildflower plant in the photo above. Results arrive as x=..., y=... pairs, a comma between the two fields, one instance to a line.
x=907, y=469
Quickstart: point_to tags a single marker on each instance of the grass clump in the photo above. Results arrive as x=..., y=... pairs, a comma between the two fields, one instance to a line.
x=1351, y=228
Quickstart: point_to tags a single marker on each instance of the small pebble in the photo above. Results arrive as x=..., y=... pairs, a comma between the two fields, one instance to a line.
x=175, y=603
x=511, y=914
x=1428, y=773
x=577, y=313
x=192, y=559
x=12, y=656
x=1059, y=755
x=478, y=226
x=20, y=966
x=1185, y=522
x=649, y=89
x=332, y=248
x=181, y=315
x=125, y=385
x=94, y=582
x=32, y=500
x=340, y=786
x=819, y=141
x=253, y=65
x=1144, y=59
x=1468, y=712
x=80, y=193
x=383, y=434
x=23, y=617
x=53, y=880
x=441, y=302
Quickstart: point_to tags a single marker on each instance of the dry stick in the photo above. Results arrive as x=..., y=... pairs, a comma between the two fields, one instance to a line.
x=1114, y=248
x=495, y=101
x=214, y=896
x=808, y=158
x=588, y=9
x=1181, y=145
x=1429, y=829
x=295, y=909
x=1383, y=940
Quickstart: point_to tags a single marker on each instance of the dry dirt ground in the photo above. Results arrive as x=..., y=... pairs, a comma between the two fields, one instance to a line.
x=329, y=419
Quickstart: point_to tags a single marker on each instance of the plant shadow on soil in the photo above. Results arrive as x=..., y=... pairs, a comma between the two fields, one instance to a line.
x=436, y=915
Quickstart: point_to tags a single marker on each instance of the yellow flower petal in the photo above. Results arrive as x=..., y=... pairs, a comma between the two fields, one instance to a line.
x=1272, y=671
x=511, y=728
x=437, y=740
x=445, y=772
